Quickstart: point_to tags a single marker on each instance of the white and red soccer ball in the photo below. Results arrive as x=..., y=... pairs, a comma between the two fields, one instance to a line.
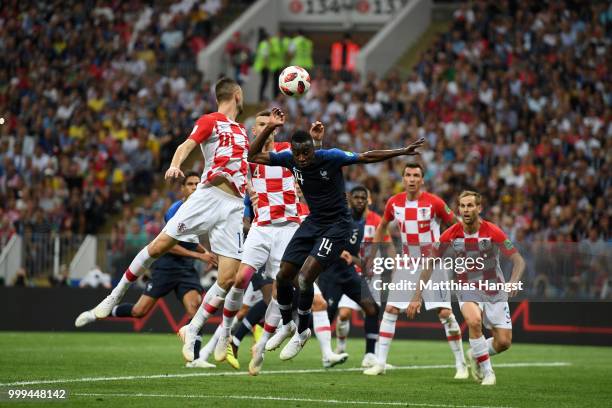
x=294, y=81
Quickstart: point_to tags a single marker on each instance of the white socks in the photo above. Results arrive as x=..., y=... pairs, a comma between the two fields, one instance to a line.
x=141, y=262
x=272, y=320
x=342, y=331
x=385, y=335
x=480, y=351
x=322, y=329
x=453, y=335
x=233, y=303
x=207, y=350
x=210, y=304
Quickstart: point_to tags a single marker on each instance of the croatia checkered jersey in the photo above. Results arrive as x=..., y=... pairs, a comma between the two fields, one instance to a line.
x=225, y=147
x=483, y=247
x=275, y=187
x=418, y=221
x=372, y=221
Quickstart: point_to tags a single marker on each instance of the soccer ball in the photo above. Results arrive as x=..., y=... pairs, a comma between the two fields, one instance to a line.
x=294, y=81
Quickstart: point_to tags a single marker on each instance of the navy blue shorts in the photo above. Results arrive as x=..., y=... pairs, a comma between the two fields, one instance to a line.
x=164, y=281
x=325, y=242
x=259, y=280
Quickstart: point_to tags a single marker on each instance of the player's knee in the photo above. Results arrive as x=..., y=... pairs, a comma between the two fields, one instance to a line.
x=304, y=282
x=474, y=322
x=503, y=343
x=226, y=282
x=318, y=304
x=344, y=313
x=370, y=308
x=139, y=311
x=444, y=313
x=392, y=310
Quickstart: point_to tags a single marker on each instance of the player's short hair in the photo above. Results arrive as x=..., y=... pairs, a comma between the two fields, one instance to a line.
x=301, y=136
x=469, y=193
x=415, y=165
x=263, y=113
x=190, y=174
x=359, y=188
x=225, y=88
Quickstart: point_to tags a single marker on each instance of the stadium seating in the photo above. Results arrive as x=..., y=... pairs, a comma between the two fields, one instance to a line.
x=95, y=103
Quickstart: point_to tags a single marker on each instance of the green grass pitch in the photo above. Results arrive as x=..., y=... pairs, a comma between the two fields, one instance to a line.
x=146, y=370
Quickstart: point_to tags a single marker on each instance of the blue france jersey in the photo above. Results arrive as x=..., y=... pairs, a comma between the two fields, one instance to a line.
x=171, y=261
x=322, y=182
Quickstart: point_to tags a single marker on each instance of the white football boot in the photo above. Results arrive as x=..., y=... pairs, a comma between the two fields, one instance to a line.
x=295, y=345
x=282, y=333
x=335, y=359
x=105, y=307
x=188, y=338
x=489, y=378
x=85, y=318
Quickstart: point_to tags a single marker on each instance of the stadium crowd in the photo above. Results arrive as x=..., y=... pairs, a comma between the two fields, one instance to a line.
x=514, y=102
x=95, y=96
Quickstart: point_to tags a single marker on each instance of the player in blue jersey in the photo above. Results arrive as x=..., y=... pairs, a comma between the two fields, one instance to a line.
x=172, y=271
x=324, y=234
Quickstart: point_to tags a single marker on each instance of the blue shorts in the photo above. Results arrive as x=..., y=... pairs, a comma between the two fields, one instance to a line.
x=164, y=281
x=325, y=242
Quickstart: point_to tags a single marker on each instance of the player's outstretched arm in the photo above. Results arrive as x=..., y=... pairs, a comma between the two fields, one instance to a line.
x=375, y=156
x=181, y=153
x=518, y=268
x=277, y=119
x=317, y=130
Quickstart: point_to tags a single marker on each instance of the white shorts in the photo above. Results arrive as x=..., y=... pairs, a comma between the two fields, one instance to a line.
x=347, y=302
x=211, y=211
x=265, y=246
x=251, y=296
x=495, y=314
x=432, y=299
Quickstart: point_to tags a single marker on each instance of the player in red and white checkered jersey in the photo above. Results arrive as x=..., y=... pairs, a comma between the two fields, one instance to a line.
x=481, y=242
x=418, y=215
x=215, y=208
x=278, y=214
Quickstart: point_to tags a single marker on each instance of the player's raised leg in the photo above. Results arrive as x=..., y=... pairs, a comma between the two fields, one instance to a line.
x=143, y=260
x=212, y=302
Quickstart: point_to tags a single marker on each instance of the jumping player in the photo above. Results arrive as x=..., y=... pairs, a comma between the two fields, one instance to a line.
x=419, y=215
x=215, y=208
x=324, y=234
x=173, y=271
x=478, y=239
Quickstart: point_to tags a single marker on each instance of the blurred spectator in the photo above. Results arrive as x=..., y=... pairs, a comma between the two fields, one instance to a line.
x=262, y=61
x=238, y=54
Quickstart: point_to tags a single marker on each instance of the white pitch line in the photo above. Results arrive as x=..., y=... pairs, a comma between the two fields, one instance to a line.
x=273, y=372
x=270, y=398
